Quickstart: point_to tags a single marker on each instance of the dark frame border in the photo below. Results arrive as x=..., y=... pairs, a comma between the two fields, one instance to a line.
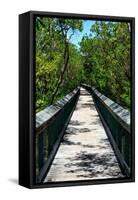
x=31, y=143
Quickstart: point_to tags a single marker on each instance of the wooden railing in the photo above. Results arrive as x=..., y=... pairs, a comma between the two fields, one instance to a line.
x=116, y=121
x=50, y=126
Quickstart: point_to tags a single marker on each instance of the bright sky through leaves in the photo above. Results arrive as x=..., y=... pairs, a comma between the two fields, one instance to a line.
x=76, y=38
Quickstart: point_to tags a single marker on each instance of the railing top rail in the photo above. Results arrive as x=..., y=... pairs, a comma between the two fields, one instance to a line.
x=44, y=116
x=122, y=114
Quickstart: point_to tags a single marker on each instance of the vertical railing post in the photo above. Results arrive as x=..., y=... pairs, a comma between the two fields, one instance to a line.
x=40, y=150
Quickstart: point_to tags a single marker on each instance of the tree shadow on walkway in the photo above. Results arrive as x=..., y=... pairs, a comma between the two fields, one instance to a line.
x=90, y=165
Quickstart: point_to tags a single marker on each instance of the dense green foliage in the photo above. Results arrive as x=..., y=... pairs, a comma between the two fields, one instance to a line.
x=106, y=60
x=58, y=62
x=103, y=59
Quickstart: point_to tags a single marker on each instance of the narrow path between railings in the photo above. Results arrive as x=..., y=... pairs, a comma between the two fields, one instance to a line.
x=85, y=151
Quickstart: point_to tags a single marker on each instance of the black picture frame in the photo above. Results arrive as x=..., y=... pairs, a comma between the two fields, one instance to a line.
x=27, y=98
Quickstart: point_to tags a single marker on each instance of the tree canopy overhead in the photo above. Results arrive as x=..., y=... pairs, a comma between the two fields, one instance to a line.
x=102, y=59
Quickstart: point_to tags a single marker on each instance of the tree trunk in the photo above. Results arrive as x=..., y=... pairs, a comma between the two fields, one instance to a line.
x=63, y=69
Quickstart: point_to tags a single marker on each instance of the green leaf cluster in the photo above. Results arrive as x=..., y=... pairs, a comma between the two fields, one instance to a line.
x=106, y=60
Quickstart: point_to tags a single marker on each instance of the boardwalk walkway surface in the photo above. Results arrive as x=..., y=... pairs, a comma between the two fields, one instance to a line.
x=85, y=151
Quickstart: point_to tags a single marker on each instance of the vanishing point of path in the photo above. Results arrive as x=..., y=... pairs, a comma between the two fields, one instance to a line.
x=85, y=151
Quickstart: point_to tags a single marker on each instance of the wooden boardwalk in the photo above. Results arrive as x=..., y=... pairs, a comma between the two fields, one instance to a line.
x=85, y=151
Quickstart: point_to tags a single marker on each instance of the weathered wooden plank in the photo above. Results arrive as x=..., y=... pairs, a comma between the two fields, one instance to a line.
x=85, y=151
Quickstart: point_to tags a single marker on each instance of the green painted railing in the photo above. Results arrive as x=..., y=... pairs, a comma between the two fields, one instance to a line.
x=117, y=123
x=50, y=126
